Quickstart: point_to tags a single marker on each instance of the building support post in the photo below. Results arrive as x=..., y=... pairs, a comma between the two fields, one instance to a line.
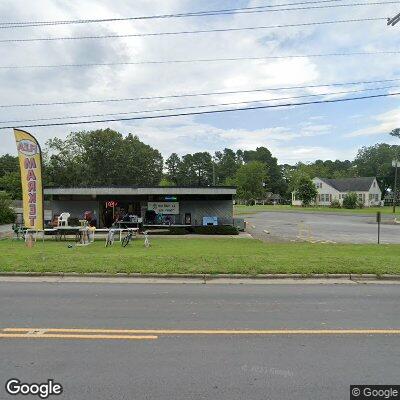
x=213, y=165
x=395, y=188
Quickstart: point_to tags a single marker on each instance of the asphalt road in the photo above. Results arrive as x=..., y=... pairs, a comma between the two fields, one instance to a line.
x=288, y=226
x=201, y=366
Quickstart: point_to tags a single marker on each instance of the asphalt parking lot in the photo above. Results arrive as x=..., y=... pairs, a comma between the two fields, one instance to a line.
x=321, y=227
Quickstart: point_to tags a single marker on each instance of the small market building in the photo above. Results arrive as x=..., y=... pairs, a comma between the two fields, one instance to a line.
x=176, y=206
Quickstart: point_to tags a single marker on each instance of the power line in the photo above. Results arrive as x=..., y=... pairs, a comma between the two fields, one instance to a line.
x=215, y=93
x=204, y=112
x=243, y=10
x=201, y=60
x=192, y=13
x=249, y=28
x=160, y=16
x=394, y=20
x=199, y=106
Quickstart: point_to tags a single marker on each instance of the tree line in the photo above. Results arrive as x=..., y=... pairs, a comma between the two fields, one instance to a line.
x=107, y=158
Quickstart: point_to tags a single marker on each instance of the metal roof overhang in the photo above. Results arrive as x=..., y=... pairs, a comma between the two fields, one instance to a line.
x=95, y=191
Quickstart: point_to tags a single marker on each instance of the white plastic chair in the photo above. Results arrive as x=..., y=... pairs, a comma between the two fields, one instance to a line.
x=63, y=219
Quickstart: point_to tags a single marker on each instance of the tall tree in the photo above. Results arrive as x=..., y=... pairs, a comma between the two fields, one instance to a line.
x=377, y=161
x=287, y=173
x=186, y=174
x=327, y=169
x=173, y=165
x=395, y=132
x=10, y=176
x=11, y=183
x=296, y=176
x=144, y=165
x=8, y=164
x=250, y=180
x=62, y=163
x=227, y=164
x=202, y=166
x=6, y=213
x=274, y=181
x=196, y=169
x=102, y=157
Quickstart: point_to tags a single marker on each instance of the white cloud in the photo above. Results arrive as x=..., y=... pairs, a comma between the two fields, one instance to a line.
x=383, y=124
x=190, y=136
x=294, y=154
x=186, y=134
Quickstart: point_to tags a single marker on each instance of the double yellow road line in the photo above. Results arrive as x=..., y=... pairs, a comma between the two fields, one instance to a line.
x=152, y=334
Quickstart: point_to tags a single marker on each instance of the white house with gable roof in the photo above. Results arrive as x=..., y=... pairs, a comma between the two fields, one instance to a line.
x=367, y=189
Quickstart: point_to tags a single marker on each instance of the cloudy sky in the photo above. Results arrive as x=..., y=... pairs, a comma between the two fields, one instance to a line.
x=306, y=133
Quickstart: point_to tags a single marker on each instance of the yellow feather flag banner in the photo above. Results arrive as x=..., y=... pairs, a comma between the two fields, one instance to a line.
x=30, y=162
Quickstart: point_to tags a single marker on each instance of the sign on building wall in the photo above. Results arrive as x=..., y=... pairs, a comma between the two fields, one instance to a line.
x=30, y=162
x=164, y=207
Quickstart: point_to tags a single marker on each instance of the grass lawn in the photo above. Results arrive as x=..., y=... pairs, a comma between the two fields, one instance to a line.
x=241, y=209
x=222, y=255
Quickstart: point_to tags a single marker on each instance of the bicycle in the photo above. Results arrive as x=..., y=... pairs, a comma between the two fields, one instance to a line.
x=126, y=240
x=110, y=237
x=19, y=232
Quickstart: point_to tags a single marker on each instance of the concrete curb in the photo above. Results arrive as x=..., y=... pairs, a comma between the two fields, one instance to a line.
x=207, y=277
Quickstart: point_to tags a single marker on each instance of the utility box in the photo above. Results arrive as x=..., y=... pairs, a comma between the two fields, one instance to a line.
x=240, y=224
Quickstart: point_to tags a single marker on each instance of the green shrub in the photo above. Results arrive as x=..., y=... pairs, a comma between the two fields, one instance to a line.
x=215, y=230
x=350, y=200
x=335, y=203
x=173, y=230
x=200, y=230
x=7, y=215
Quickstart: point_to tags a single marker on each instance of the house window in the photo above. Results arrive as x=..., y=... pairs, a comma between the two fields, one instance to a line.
x=325, y=198
x=319, y=185
x=377, y=197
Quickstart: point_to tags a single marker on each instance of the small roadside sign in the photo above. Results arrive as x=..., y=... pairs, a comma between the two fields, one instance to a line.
x=378, y=220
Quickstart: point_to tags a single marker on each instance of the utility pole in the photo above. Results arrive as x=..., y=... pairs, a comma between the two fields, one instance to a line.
x=213, y=166
x=393, y=21
x=395, y=163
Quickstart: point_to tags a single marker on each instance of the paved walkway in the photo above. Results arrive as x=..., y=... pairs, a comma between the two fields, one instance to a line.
x=5, y=230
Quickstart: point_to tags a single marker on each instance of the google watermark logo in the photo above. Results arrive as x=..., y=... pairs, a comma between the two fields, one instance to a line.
x=14, y=387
